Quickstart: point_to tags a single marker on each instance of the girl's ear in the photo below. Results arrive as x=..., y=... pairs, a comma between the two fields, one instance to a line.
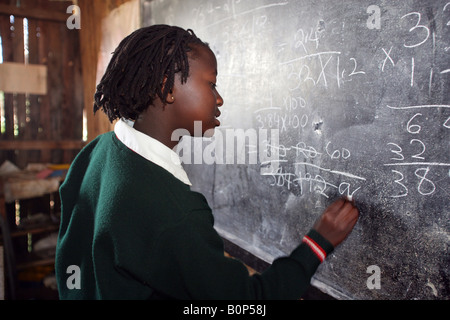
x=169, y=98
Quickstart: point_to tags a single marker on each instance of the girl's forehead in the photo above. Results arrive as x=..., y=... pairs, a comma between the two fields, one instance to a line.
x=202, y=55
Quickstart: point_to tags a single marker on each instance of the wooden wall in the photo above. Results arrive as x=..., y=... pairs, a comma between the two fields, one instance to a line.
x=93, y=12
x=42, y=128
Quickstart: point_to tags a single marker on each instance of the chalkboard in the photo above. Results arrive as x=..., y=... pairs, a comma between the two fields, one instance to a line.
x=335, y=98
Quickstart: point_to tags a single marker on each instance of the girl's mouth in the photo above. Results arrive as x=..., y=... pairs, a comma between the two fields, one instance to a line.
x=217, y=122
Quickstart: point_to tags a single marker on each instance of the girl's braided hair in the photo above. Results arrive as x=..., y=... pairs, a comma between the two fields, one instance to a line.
x=137, y=70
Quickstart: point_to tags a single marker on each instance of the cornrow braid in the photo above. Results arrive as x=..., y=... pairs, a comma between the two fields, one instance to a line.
x=135, y=75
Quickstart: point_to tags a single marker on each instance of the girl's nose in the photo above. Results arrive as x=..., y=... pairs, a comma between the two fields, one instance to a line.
x=219, y=99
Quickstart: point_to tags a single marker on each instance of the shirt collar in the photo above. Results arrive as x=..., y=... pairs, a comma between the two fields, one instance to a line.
x=151, y=149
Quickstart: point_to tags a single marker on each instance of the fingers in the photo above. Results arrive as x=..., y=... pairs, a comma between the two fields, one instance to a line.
x=336, y=206
x=341, y=206
x=348, y=207
x=348, y=215
x=349, y=211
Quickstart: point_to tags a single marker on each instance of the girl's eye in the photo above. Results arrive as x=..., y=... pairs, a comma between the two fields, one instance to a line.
x=213, y=85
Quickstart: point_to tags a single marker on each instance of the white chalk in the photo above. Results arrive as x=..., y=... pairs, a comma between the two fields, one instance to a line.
x=349, y=198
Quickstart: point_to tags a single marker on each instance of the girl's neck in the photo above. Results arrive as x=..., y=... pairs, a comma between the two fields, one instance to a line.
x=159, y=122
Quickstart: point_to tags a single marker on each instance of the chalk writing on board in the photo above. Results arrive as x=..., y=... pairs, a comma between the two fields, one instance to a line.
x=358, y=93
x=423, y=183
x=418, y=28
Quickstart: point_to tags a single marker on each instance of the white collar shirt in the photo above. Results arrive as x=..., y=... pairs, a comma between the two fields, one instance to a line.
x=150, y=149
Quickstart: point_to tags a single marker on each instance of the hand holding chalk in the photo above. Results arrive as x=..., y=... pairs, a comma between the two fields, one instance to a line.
x=337, y=221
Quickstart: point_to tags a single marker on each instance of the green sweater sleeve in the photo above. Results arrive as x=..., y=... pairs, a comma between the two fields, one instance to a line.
x=191, y=265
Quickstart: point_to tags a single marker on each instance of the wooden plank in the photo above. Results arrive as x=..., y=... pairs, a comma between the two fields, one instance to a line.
x=23, y=78
x=34, y=230
x=5, y=33
x=20, y=109
x=54, y=45
x=35, y=263
x=72, y=107
x=2, y=275
x=33, y=99
x=42, y=145
x=92, y=12
x=2, y=200
x=44, y=132
x=36, y=13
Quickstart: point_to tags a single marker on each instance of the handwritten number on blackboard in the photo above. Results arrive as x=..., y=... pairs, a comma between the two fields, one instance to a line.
x=417, y=27
x=425, y=186
x=401, y=184
x=418, y=155
x=354, y=68
x=413, y=128
x=397, y=152
x=423, y=180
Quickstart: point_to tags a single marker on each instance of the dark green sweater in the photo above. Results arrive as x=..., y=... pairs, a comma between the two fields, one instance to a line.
x=137, y=232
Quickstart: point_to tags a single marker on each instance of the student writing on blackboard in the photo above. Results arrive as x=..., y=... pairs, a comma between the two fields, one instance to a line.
x=131, y=228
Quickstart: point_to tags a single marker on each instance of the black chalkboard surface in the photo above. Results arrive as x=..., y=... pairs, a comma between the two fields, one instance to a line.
x=325, y=99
